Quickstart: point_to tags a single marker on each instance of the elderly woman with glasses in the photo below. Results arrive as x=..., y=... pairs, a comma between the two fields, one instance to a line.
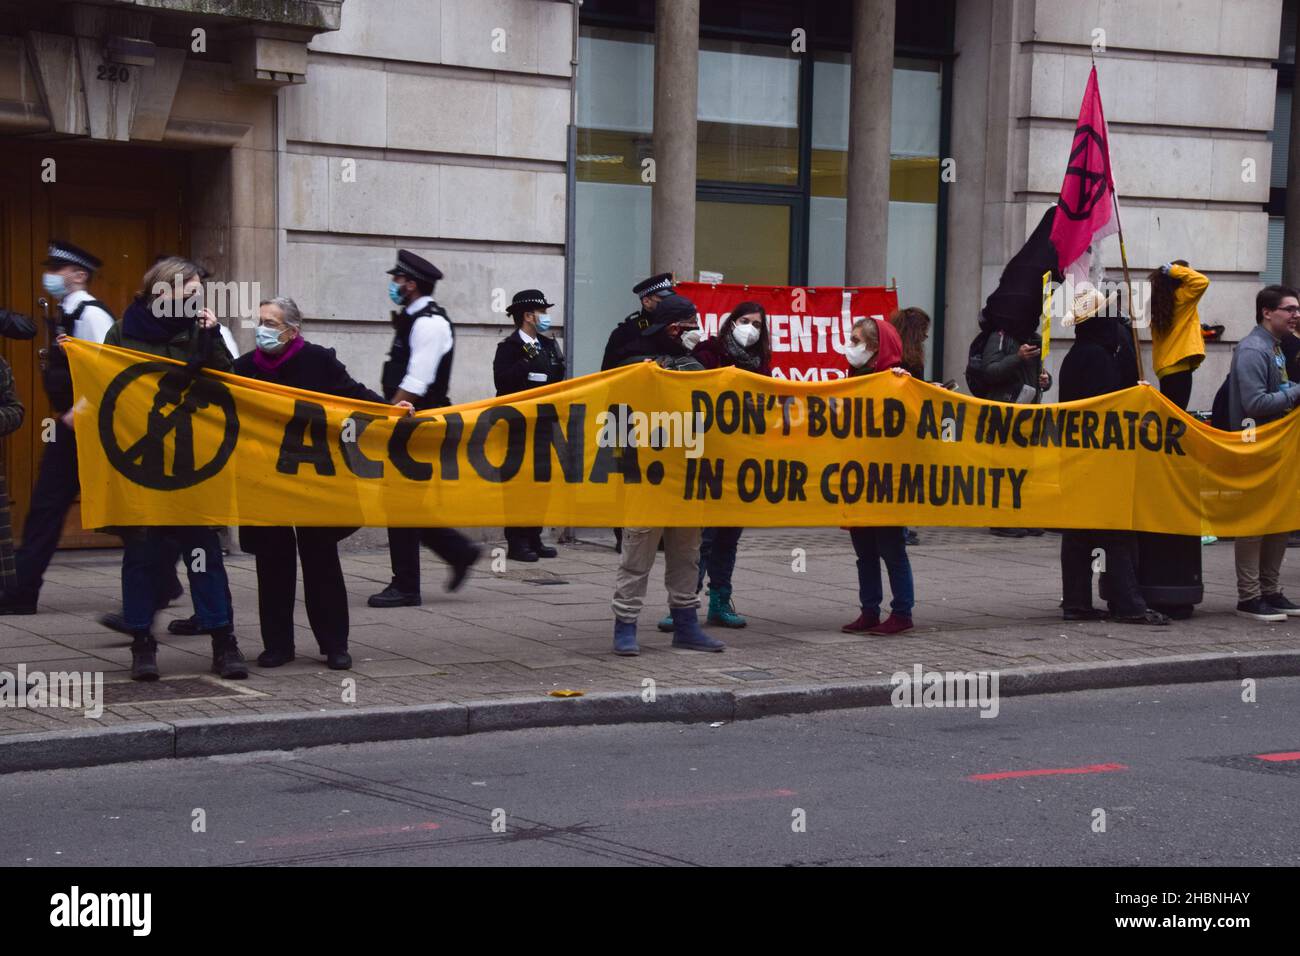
x=284, y=357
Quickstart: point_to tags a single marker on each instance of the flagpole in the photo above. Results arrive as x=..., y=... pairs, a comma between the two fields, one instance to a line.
x=1128, y=285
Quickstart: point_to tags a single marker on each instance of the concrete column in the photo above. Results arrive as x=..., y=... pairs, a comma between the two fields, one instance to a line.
x=1291, y=237
x=871, y=76
x=672, y=196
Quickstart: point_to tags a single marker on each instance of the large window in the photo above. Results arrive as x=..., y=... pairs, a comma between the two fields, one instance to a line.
x=913, y=177
x=612, y=244
x=772, y=148
x=1281, y=140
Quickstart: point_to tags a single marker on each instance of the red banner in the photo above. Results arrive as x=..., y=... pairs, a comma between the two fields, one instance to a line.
x=809, y=328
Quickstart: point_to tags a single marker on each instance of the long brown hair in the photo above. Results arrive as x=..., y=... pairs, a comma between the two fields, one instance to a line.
x=1162, y=298
x=764, y=341
x=913, y=326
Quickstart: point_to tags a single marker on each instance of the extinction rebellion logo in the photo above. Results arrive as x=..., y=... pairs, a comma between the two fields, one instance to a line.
x=1084, y=187
x=143, y=456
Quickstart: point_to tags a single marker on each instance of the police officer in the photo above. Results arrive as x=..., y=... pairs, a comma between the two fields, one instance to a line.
x=641, y=335
x=418, y=371
x=68, y=273
x=527, y=358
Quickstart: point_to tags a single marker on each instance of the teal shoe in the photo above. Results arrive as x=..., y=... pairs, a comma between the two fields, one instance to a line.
x=666, y=624
x=721, y=610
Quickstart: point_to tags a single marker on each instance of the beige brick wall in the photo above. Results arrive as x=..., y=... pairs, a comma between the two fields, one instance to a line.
x=459, y=154
x=1189, y=94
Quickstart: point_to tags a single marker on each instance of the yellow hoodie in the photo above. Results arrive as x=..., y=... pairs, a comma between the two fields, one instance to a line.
x=1182, y=347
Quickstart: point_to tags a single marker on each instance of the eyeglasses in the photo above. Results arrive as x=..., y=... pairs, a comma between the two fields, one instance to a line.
x=1290, y=309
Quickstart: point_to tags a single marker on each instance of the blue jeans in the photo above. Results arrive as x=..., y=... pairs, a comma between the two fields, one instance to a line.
x=149, y=555
x=718, y=556
x=874, y=545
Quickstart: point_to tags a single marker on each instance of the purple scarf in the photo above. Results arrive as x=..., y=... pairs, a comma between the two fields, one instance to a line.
x=269, y=363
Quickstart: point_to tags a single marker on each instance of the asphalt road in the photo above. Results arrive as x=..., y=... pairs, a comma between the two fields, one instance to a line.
x=1175, y=769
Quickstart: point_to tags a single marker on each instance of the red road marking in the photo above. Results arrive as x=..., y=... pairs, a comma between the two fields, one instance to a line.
x=1289, y=755
x=706, y=801
x=1007, y=774
x=303, y=838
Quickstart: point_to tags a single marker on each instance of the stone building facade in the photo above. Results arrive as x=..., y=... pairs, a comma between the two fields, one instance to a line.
x=302, y=142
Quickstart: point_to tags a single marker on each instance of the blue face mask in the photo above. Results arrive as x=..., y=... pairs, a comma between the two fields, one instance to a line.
x=543, y=322
x=395, y=292
x=268, y=340
x=54, y=284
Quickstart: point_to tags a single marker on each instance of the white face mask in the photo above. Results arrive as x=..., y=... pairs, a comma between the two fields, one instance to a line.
x=858, y=355
x=691, y=338
x=745, y=335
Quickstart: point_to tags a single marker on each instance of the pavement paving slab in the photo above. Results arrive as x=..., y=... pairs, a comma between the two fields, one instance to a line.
x=983, y=602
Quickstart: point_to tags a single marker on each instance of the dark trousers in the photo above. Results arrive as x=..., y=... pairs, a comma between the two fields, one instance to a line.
x=1119, y=550
x=523, y=537
x=56, y=489
x=872, y=546
x=278, y=553
x=718, y=557
x=1177, y=387
x=149, y=555
x=404, y=552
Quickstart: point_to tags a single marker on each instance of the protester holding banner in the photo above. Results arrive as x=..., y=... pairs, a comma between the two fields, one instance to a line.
x=743, y=341
x=665, y=329
x=284, y=357
x=1100, y=361
x=527, y=358
x=875, y=346
x=1177, y=345
x=167, y=318
x=1261, y=391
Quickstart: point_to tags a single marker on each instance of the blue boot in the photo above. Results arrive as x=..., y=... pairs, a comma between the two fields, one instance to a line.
x=625, y=638
x=687, y=633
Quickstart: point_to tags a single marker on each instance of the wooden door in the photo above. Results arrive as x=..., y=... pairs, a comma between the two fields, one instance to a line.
x=124, y=204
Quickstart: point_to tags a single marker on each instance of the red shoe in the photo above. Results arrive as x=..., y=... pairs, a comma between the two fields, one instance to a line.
x=862, y=624
x=894, y=624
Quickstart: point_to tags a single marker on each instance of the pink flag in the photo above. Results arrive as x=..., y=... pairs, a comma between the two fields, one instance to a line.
x=1085, y=210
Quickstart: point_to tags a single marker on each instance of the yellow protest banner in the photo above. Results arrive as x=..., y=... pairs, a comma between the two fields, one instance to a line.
x=641, y=446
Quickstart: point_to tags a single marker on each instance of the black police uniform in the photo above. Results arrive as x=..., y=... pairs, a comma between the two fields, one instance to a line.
x=517, y=367
x=404, y=543
x=399, y=358
x=57, y=483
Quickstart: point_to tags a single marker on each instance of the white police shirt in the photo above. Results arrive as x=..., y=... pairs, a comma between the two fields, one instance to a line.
x=93, y=323
x=430, y=340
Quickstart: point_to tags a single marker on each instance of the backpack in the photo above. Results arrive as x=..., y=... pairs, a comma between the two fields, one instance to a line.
x=975, y=380
x=1219, y=414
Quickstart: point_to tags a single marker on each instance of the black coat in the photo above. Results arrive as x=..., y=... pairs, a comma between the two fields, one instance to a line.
x=627, y=343
x=515, y=361
x=1101, y=360
x=316, y=369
